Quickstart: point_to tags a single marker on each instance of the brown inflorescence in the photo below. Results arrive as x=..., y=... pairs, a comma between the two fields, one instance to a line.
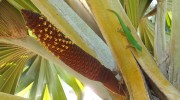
x=68, y=52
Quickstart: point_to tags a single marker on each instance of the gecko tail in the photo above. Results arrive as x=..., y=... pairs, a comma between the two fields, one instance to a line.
x=138, y=47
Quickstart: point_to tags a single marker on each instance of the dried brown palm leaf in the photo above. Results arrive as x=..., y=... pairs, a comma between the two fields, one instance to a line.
x=11, y=23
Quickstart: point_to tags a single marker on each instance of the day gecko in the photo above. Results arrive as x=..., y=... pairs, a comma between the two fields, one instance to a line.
x=127, y=32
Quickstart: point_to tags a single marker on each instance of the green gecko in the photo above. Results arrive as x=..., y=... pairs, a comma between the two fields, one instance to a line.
x=127, y=32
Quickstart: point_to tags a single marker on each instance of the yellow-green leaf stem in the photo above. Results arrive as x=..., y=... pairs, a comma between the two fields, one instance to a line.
x=117, y=43
x=174, y=68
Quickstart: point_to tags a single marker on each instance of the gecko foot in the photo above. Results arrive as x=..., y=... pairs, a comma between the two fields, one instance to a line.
x=129, y=46
x=120, y=30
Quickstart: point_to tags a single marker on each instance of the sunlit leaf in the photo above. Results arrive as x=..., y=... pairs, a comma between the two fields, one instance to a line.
x=46, y=94
x=132, y=11
x=169, y=18
x=124, y=58
x=54, y=84
x=12, y=62
x=70, y=80
x=23, y=4
x=29, y=75
x=43, y=73
x=5, y=96
x=39, y=82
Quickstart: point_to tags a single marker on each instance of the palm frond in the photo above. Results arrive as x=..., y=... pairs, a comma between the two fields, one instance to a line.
x=11, y=23
x=12, y=62
x=146, y=30
x=6, y=96
x=82, y=10
x=42, y=73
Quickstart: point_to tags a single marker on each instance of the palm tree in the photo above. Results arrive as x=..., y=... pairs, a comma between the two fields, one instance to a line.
x=25, y=63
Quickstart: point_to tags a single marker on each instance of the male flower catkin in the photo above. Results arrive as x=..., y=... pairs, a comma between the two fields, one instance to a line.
x=72, y=55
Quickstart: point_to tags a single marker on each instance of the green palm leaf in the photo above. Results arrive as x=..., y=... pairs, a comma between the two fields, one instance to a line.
x=5, y=96
x=12, y=62
x=41, y=73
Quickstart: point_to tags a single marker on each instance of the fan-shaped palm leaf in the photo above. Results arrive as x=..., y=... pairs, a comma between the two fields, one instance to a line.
x=12, y=62
x=40, y=73
x=146, y=30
